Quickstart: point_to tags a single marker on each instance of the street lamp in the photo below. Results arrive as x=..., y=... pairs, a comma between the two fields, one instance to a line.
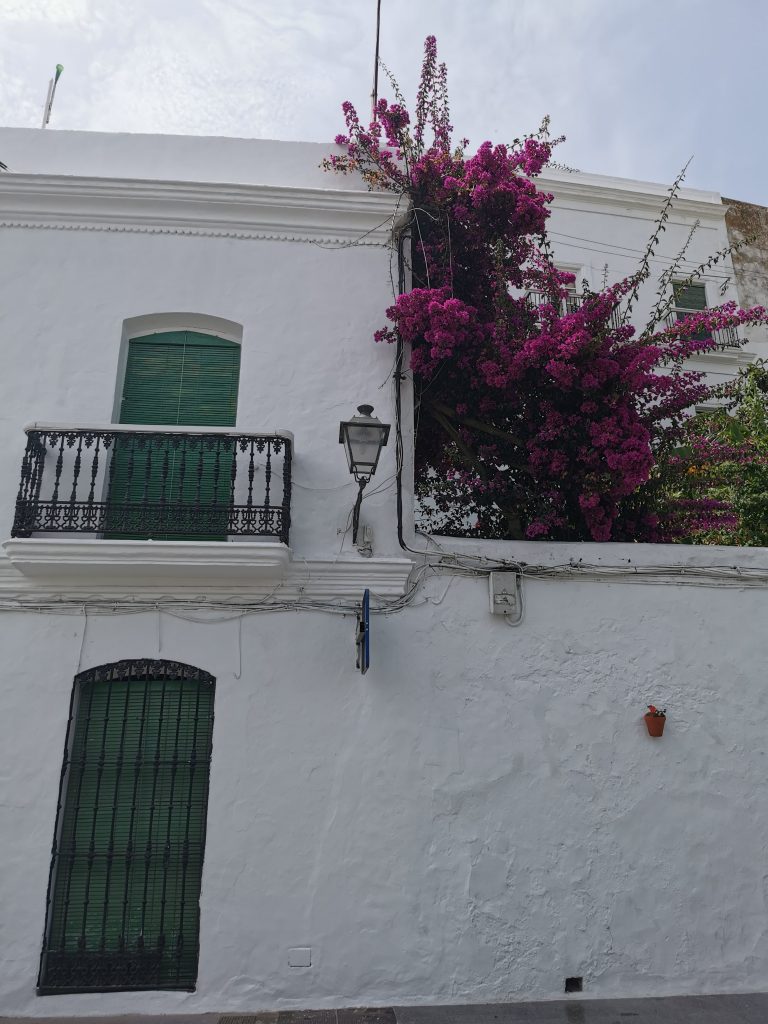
x=363, y=438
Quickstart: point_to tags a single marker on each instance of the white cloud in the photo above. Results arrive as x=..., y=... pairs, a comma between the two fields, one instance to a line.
x=636, y=86
x=58, y=11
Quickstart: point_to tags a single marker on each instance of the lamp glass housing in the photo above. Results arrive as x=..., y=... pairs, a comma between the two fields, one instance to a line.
x=363, y=438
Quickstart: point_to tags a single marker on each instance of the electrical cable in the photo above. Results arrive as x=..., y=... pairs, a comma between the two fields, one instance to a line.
x=355, y=241
x=82, y=640
x=624, y=249
x=651, y=259
x=518, y=621
x=454, y=564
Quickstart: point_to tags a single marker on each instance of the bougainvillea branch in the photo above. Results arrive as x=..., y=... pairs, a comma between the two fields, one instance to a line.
x=539, y=416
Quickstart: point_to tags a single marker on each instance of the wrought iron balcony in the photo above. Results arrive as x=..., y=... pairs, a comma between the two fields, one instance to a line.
x=724, y=338
x=570, y=304
x=164, y=483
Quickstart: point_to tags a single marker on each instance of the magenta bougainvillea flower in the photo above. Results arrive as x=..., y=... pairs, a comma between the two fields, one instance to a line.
x=539, y=415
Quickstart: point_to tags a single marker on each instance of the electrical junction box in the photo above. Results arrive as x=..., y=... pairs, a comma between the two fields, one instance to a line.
x=300, y=956
x=504, y=590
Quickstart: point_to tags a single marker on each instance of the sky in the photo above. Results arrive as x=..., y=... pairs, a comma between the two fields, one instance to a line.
x=636, y=86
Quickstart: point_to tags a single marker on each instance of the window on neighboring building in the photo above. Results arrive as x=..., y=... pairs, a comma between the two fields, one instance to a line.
x=573, y=298
x=124, y=891
x=690, y=298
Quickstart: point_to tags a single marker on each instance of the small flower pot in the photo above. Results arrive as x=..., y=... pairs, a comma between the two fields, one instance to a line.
x=655, y=724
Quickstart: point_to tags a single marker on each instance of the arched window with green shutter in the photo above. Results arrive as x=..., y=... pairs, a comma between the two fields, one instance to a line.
x=181, y=378
x=174, y=378
x=124, y=890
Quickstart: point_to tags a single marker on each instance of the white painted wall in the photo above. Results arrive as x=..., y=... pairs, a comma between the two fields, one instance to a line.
x=596, y=219
x=483, y=814
x=164, y=157
x=480, y=816
x=307, y=311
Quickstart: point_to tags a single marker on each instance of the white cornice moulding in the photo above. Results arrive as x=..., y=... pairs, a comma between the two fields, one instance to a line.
x=596, y=190
x=133, y=571
x=285, y=213
x=182, y=208
x=726, y=359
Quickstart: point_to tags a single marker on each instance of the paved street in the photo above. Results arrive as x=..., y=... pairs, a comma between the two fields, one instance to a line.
x=738, y=1009
x=748, y=1009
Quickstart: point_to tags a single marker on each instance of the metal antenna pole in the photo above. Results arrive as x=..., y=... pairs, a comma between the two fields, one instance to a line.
x=375, y=93
x=51, y=93
x=47, y=105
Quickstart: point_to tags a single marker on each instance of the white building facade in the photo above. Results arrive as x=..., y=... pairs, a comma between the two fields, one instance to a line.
x=243, y=821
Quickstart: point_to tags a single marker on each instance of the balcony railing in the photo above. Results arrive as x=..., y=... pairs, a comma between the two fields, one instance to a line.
x=570, y=304
x=725, y=337
x=164, y=483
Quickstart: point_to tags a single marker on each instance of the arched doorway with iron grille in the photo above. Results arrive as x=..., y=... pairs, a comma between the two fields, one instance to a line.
x=124, y=890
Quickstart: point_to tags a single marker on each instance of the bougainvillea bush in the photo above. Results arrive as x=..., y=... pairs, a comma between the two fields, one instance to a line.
x=550, y=418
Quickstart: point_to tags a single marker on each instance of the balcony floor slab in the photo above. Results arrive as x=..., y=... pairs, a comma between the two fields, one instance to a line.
x=57, y=559
x=69, y=570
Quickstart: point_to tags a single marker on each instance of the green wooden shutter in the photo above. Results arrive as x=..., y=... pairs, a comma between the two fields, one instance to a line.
x=181, y=378
x=178, y=378
x=127, y=863
x=690, y=297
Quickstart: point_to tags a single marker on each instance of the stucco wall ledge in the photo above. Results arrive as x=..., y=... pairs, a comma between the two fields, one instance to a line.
x=198, y=208
x=38, y=568
x=129, y=561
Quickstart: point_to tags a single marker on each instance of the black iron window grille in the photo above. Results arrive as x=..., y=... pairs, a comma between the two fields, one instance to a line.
x=122, y=908
x=139, y=483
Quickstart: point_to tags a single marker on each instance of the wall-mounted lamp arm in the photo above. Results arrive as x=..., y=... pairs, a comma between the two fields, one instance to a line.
x=363, y=482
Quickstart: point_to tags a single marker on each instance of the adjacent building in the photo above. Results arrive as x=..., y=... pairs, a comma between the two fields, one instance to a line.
x=747, y=228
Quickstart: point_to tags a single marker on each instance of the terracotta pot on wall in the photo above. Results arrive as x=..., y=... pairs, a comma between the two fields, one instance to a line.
x=655, y=724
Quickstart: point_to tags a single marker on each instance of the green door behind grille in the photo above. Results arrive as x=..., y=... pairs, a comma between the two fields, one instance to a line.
x=173, y=492
x=124, y=900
